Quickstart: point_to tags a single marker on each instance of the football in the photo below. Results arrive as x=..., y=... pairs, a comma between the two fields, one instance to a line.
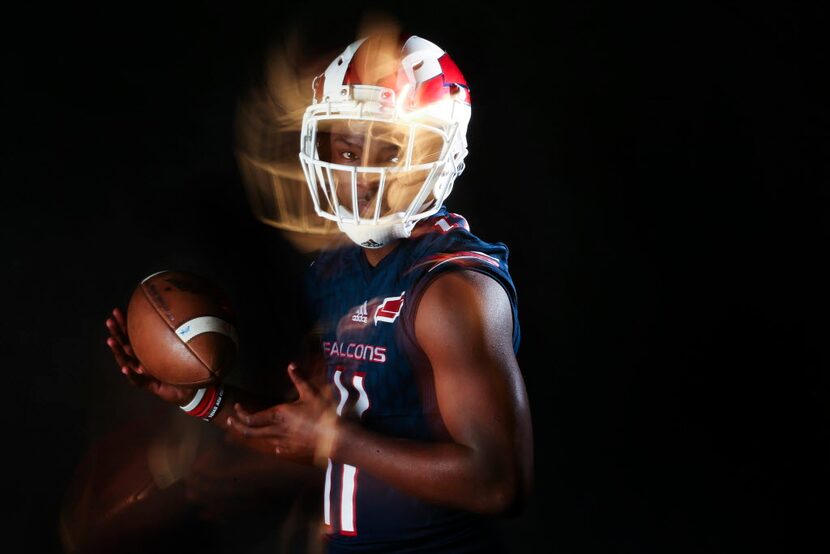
x=182, y=328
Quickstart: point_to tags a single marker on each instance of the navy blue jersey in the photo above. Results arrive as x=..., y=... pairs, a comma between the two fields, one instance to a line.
x=379, y=375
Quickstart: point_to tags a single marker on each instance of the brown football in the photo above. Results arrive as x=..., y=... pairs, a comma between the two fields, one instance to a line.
x=182, y=328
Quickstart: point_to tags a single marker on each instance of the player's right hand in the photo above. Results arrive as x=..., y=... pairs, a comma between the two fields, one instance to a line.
x=131, y=367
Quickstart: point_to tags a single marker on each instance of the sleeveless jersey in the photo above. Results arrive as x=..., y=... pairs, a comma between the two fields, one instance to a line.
x=379, y=375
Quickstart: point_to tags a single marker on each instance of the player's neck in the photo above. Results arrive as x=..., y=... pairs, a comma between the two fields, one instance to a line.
x=375, y=255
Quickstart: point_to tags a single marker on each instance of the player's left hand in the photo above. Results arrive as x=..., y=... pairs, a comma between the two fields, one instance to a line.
x=303, y=429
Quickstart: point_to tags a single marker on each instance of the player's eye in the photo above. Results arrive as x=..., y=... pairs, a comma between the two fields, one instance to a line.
x=349, y=155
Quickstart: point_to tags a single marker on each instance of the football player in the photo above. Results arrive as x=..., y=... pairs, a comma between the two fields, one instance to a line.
x=413, y=403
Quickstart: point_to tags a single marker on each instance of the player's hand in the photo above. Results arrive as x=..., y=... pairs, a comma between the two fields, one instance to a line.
x=131, y=367
x=303, y=429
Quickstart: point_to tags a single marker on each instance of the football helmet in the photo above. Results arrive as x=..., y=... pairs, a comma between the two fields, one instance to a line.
x=385, y=137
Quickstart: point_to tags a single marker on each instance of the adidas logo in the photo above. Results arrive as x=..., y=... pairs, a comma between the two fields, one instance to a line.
x=370, y=244
x=362, y=314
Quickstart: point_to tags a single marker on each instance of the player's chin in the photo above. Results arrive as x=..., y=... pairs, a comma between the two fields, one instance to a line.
x=366, y=208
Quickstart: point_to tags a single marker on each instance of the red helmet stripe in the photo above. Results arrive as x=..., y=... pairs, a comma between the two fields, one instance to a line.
x=439, y=87
x=451, y=72
x=430, y=91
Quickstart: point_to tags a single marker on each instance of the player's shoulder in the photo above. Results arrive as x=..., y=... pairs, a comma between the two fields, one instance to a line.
x=441, y=224
x=455, y=266
x=451, y=288
x=446, y=237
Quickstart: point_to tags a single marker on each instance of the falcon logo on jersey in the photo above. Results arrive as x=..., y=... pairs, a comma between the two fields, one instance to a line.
x=362, y=314
x=389, y=309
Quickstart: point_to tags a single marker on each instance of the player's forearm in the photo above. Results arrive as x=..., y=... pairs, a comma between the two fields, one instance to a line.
x=442, y=473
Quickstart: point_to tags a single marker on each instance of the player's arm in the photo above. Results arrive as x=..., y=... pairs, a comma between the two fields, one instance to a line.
x=464, y=325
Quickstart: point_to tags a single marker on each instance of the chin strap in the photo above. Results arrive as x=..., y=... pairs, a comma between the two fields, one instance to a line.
x=375, y=236
x=369, y=235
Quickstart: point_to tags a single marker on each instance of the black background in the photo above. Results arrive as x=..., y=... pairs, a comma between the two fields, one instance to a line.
x=660, y=175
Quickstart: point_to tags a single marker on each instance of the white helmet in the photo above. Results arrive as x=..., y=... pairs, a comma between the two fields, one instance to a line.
x=385, y=137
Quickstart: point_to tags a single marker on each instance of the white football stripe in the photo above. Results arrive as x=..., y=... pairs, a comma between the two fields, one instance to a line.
x=153, y=275
x=206, y=324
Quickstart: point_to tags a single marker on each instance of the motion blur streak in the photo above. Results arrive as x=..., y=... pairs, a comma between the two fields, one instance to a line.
x=268, y=124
